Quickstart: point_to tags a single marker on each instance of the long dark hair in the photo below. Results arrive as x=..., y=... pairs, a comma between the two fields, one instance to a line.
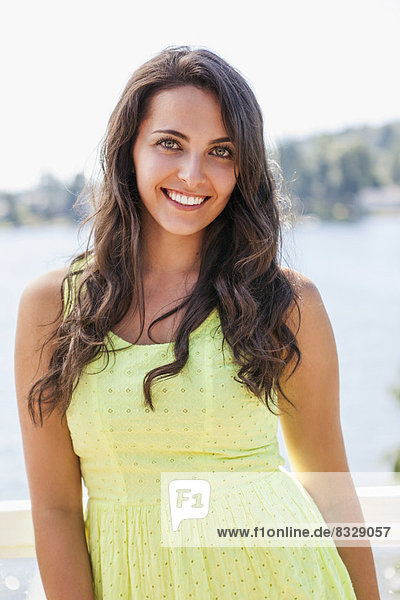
x=239, y=271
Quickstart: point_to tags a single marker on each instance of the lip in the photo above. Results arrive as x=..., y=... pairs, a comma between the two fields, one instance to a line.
x=184, y=206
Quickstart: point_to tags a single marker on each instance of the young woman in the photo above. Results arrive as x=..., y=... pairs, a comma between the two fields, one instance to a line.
x=168, y=346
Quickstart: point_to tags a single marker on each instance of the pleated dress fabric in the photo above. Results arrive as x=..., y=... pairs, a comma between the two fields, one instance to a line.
x=204, y=421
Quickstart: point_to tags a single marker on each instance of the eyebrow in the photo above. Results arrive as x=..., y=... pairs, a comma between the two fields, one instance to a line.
x=185, y=137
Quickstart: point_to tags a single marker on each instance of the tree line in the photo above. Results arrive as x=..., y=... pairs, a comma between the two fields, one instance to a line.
x=322, y=175
x=330, y=170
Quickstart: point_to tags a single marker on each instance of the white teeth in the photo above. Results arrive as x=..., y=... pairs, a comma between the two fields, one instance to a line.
x=188, y=200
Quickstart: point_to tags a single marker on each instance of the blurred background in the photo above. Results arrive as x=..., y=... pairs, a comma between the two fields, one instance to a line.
x=324, y=74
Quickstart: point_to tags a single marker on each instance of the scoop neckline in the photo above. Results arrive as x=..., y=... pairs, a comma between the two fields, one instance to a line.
x=121, y=340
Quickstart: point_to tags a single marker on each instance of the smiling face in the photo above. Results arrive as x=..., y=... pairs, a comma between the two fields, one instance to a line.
x=182, y=148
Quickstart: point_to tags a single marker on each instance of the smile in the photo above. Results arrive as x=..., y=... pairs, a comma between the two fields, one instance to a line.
x=184, y=200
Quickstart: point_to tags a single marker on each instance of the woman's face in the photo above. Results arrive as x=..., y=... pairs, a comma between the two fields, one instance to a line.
x=182, y=147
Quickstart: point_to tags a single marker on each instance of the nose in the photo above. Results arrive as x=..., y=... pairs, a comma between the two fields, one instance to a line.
x=191, y=171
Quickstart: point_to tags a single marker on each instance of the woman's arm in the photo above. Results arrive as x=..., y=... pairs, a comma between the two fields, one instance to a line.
x=313, y=434
x=52, y=466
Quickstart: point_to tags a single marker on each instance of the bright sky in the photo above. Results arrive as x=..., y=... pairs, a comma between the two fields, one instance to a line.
x=314, y=66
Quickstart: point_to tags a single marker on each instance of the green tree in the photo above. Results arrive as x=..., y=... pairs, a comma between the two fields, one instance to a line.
x=11, y=202
x=52, y=191
x=395, y=168
x=356, y=169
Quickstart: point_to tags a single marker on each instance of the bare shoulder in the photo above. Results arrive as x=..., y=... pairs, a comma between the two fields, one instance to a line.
x=39, y=311
x=309, y=299
x=301, y=282
x=41, y=297
x=46, y=286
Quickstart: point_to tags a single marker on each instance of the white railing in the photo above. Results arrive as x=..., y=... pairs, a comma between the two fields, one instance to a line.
x=379, y=503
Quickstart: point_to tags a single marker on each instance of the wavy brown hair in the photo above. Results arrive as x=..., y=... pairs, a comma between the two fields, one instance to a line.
x=239, y=271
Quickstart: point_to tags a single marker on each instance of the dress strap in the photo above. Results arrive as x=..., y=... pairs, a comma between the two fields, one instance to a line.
x=69, y=295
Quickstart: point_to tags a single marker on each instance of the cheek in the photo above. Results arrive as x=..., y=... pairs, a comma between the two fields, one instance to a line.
x=225, y=180
x=152, y=168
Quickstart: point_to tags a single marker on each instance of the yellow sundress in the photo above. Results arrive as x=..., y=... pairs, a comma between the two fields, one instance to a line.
x=204, y=421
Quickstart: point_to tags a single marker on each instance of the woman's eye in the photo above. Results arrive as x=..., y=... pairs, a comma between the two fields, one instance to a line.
x=223, y=152
x=167, y=143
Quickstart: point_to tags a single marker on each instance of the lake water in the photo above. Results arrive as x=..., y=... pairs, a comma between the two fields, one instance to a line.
x=357, y=270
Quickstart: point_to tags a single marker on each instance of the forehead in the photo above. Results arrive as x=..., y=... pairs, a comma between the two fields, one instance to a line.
x=187, y=107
